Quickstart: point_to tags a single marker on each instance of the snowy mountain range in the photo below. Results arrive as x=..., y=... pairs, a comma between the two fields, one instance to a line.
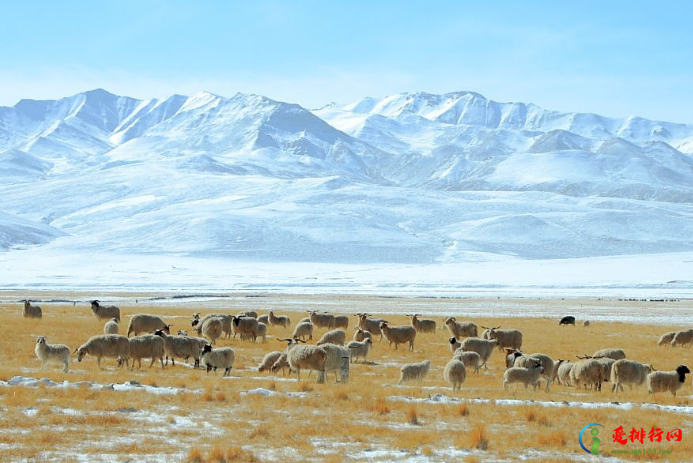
x=413, y=178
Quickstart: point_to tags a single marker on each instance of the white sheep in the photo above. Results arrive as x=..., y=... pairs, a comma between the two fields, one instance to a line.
x=263, y=319
x=461, y=329
x=672, y=381
x=665, y=339
x=335, y=358
x=105, y=345
x=111, y=326
x=563, y=373
x=372, y=325
x=616, y=354
x=280, y=320
x=104, y=312
x=483, y=347
x=145, y=323
x=31, y=311
x=303, y=330
x=455, y=373
x=360, y=335
x=147, y=346
x=211, y=328
x=399, y=334
x=628, y=372
x=519, y=359
x=226, y=321
x=221, y=357
x=414, y=371
x=527, y=376
x=470, y=359
x=245, y=326
x=182, y=333
x=249, y=313
x=360, y=349
x=321, y=320
x=262, y=332
x=681, y=338
x=507, y=339
x=587, y=372
x=606, y=363
x=423, y=325
x=305, y=357
x=341, y=321
x=281, y=363
x=269, y=360
x=52, y=353
x=333, y=337
x=183, y=347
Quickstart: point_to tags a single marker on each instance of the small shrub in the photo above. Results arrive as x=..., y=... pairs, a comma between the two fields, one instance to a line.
x=195, y=456
x=463, y=410
x=479, y=440
x=412, y=417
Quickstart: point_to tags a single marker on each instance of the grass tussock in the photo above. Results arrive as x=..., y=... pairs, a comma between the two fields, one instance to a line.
x=478, y=438
x=412, y=416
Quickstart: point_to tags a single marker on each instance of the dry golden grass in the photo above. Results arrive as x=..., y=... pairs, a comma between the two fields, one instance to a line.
x=212, y=419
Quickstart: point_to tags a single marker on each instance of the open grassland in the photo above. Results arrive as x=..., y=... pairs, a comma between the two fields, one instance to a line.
x=253, y=416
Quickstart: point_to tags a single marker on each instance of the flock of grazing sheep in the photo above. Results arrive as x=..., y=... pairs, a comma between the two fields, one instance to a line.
x=332, y=353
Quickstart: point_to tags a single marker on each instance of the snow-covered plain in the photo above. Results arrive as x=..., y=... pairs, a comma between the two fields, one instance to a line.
x=409, y=194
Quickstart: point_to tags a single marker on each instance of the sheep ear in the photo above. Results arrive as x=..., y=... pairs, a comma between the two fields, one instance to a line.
x=76, y=349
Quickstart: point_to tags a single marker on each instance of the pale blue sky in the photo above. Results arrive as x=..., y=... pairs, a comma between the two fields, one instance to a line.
x=610, y=57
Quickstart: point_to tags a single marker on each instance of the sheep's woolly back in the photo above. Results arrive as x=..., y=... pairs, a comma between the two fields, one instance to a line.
x=586, y=372
x=145, y=323
x=615, y=354
x=333, y=337
x=212, y=329
x=371, y=325
x=461, y=329
x=399, y=334
x=483, y=347
x=222, y=357
x=666, y=338
x=455, y=373
x=111, y=327
x=563, y=373
x=341, y=321
x=469, y=359
x=507, y=339
x=322, y=320
x=526, y=376
x=269, y=360
x=245, y=326
x=682, y=338
x=307, y=358
x=629, y=372
x=335, y=357
x=147, y=346
x=105, y=312
x=303, y=330
x=414, y=371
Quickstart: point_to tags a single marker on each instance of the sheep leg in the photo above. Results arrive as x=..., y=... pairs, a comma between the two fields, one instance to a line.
x=98, y=362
